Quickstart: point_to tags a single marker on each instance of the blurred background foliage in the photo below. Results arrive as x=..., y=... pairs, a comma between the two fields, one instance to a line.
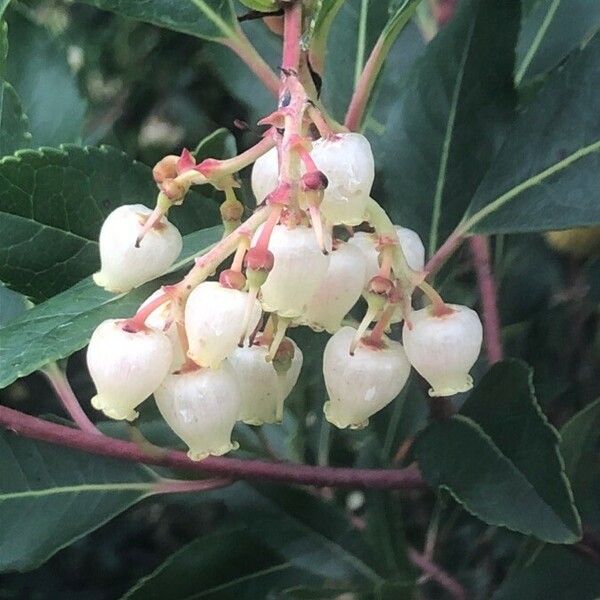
x=92, y=77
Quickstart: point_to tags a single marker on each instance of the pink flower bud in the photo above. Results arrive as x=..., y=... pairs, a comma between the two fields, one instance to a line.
x=214, y=322
x=361, y=384
x=201, y=407
x=443, y=349
x=125, y=266
x=126, y=367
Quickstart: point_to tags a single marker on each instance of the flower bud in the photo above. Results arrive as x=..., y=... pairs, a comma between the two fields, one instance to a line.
x=126, y=367
x=362, y=384
x=339, y=290
x=410, y=242
x=299, y=268
x=265, y=175
x=347, y=161
x=160, y=320
x=444, y=348
x=201, y=407
x=214, y=318
x=166, y=168
x=125, y=266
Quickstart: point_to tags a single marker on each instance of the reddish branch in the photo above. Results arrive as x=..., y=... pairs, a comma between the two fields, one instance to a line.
x=233, y=468
x=437, y=574
x=480, y=251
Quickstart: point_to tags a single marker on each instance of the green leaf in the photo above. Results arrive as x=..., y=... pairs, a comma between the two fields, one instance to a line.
x=499, y=458
x=449, y=120
x=208, y=19
x=556, y=573
x=44, y=82
x=550, y=31
x=580, y=447
x=226, y=564
x=544, y=176
x=62, y=325
x=14, y=125
x=53, y=203
x=51, y=496
x=219, y=144
x=12, y=304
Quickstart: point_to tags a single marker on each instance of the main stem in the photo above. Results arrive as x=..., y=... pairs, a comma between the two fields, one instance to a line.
x=233, y=468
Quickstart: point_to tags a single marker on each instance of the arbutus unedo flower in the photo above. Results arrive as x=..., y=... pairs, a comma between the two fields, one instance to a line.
x=339, y=290
x=362, y=383
x=443, y=347
x=126, y=367
x=214, y=321
x=201, y=406
x=125, y=265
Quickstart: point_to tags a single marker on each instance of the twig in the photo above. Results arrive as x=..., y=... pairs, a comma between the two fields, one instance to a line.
x=437, y=574
x=62, y=388
x=176, y=486
x=480, y=251
x=234, y=468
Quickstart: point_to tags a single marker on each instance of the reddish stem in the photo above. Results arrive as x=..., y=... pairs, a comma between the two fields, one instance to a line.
x=437, y=574
x=137, y=322
x=444, y=252
x=175, y=486
x=292, y=32
x=480, y=251
x=234, y=468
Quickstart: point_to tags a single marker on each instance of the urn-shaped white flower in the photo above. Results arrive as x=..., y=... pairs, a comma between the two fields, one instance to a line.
x=126, y=367
x=265, y=173
x=125, y=266
x=201, y=407
x=160, y=319
x=299, y=268
x=214, y=318
x=360, y=385
x=347, y=161
x=410, y=242
x=444, y=348
x=263, y=388
x=339, y=290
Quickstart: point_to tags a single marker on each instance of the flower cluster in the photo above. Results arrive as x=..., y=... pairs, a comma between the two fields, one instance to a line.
x=213, y=352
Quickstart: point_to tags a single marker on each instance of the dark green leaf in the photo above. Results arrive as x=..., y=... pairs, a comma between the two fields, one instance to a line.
x=53, y=203
x=219, y=144
x=449, y=120
x=550, y=31
x=12, y=304
x=60, y=326
x=44, y=82
x=209, y=19
x=545, y=175
x=14, y=126
x=580, y=447
x=556, y=573
x=227, y=564
x=52, y=496
x=499, y=458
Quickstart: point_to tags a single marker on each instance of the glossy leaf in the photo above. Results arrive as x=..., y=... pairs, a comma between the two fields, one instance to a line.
x=499, y=458
x=44, y=82
x=60, y=326
x=12, y=304
x=208, y=19
x=580, y=447
x=555, y=573
x=53, y=203
x=550, y=31
x=544, y=176
x=449, y=120
x=51, y=496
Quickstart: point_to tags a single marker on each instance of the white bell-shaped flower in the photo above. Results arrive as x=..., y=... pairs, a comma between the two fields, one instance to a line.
x=360, y=385
x=444, y=348
x=201, y=407
x=159, y=319
x=339, y=290
x=262, y=397
x=125, y=266
x=289, y=378
x=410, y=242
x=347, y=161
x=299, y=268
x=126, y=367
x=214, y=322
x=265, y=175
